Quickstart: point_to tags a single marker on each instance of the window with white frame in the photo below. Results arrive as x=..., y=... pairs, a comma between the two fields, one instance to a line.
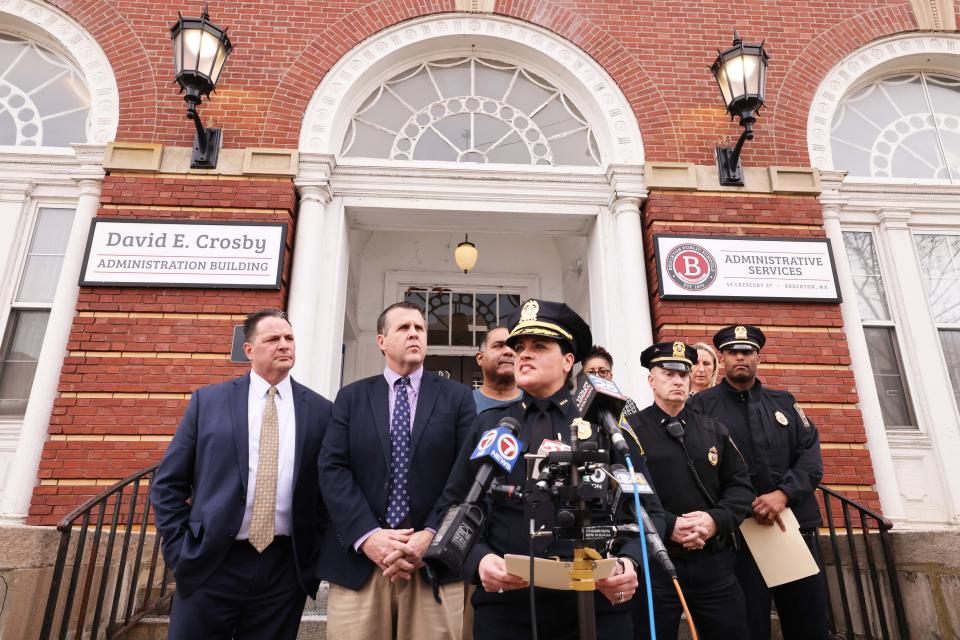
x=30, y=308
x=900, y=126
x=461, y=318
x=879, y=330
x=43, y=98
x=940, y=262
x=471, y=110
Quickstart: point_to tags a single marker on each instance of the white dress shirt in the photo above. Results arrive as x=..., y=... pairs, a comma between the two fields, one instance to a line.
x=256, y=401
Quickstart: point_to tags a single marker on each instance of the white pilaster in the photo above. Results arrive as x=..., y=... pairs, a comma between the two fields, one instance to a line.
x=921, y=339
x=23, y=471
x=877, y=442
x=318, y=283
x=304, y=276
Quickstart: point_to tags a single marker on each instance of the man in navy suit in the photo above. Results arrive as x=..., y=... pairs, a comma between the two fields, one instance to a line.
x=385, y=460
x=236, y=497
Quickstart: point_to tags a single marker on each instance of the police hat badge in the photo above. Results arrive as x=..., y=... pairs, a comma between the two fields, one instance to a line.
x=530, y=310
x=740, y=333
x=679, y=350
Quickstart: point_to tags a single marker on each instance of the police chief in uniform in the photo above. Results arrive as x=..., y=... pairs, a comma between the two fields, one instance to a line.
x=782, y=450
x=706, y=494
x=548, y=338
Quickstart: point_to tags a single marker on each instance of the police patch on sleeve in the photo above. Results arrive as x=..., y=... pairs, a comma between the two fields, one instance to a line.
x=713, y=457
x=803, y=416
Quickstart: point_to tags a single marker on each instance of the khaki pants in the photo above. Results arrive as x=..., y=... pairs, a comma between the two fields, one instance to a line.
x=383, y=610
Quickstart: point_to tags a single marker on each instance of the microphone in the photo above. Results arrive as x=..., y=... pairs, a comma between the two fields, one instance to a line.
x=674, y=429
x=626, y=488
x=496, y=452
x=601, y=402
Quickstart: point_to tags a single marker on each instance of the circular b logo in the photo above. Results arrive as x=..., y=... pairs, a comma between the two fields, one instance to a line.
x=691, y=267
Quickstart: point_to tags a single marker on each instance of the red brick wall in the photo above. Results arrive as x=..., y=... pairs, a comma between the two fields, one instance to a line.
x=136, y=354
x=806, y=351
x=658, y=53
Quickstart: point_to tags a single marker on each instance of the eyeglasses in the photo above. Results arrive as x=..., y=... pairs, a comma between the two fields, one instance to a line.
x=603, y=373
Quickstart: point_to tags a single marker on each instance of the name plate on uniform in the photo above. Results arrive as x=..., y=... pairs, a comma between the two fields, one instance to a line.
x=123, y=252
x=738, y=268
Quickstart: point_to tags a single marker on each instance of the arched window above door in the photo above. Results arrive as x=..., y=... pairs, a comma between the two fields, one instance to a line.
x=471, y=109
x=905, y=125
x=44, y=100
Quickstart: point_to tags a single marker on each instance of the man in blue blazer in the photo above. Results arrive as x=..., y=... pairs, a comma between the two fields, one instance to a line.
x=389, y=449
x=236, y=497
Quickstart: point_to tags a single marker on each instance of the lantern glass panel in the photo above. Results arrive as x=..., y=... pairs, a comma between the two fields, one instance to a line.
x=178, y=54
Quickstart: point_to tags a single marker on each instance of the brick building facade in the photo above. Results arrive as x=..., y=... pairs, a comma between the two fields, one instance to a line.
x=116, y=365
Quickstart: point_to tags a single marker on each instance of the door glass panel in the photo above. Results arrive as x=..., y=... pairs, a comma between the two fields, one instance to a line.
x=462, y=319
x=438, y=318
x=895, y=403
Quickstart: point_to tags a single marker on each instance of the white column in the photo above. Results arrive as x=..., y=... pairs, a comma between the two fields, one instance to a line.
x=877, y=443
x=23, y=471
x=631, y=301
x=305, y=282
x=330, y=280
x=923, y=348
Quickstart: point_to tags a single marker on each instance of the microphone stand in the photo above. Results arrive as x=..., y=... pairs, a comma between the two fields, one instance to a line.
x=581, y=576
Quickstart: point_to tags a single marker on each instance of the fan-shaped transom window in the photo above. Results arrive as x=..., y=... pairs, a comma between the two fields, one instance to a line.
x=471, y=110
x=902, y=126
x=43, y=98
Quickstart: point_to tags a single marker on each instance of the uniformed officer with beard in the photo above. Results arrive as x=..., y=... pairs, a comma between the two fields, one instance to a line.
x=548, y=339
x=706, y=494
x=782, y=450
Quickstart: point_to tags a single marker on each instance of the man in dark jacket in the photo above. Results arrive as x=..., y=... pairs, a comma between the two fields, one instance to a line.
x=706, y=494
x=782, y=450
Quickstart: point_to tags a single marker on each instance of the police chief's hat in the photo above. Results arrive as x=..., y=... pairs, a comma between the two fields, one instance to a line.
x=677, y=355
x=553, y=320
x=739, y=337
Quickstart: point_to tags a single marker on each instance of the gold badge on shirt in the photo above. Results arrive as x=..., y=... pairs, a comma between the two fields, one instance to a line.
x=782, y=419
x=712, y=456
x=583, y=428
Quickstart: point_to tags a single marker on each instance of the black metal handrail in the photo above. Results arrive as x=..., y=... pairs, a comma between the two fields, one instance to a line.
x=120, y=580
x=878, y=610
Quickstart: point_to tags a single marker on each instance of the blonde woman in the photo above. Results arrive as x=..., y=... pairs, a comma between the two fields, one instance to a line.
x=704, y=373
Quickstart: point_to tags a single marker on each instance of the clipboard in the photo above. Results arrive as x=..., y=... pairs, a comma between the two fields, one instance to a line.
x=781, y=556
x=553, y=574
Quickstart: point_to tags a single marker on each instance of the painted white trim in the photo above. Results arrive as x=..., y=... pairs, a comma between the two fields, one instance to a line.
x=395, y=281
x=888, y=54
x=356, y=74
x=93, y=63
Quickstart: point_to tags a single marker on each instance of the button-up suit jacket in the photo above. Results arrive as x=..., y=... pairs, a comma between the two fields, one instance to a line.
x=200, y=489
x=355, y=465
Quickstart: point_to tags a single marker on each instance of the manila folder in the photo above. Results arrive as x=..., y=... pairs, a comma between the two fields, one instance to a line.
x=782, y=556
x=553, y=574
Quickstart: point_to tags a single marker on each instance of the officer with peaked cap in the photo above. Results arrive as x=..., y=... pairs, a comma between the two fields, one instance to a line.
x=706, y=494
x=782, y=450
x=548, y=338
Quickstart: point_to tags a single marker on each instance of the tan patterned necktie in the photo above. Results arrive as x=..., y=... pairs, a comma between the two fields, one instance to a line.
x=265, y=495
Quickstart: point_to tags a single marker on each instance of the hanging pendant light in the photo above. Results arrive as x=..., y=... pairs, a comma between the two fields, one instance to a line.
x=466, y=254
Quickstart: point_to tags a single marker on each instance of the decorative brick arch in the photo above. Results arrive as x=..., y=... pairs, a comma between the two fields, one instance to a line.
x=93, y=63
x=290, y=102
x=792, y=105
x=133, y=72
x=857, y=65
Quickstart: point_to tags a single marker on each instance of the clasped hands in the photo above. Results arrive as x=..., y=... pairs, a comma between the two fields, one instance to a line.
x=398, y=552
x=692, y=530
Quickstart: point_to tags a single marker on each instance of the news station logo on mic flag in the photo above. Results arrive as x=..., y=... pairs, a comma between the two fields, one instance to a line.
x=501, y=446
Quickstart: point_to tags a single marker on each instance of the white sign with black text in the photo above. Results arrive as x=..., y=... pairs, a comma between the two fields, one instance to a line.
x=737, y=268
x=154, y=253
